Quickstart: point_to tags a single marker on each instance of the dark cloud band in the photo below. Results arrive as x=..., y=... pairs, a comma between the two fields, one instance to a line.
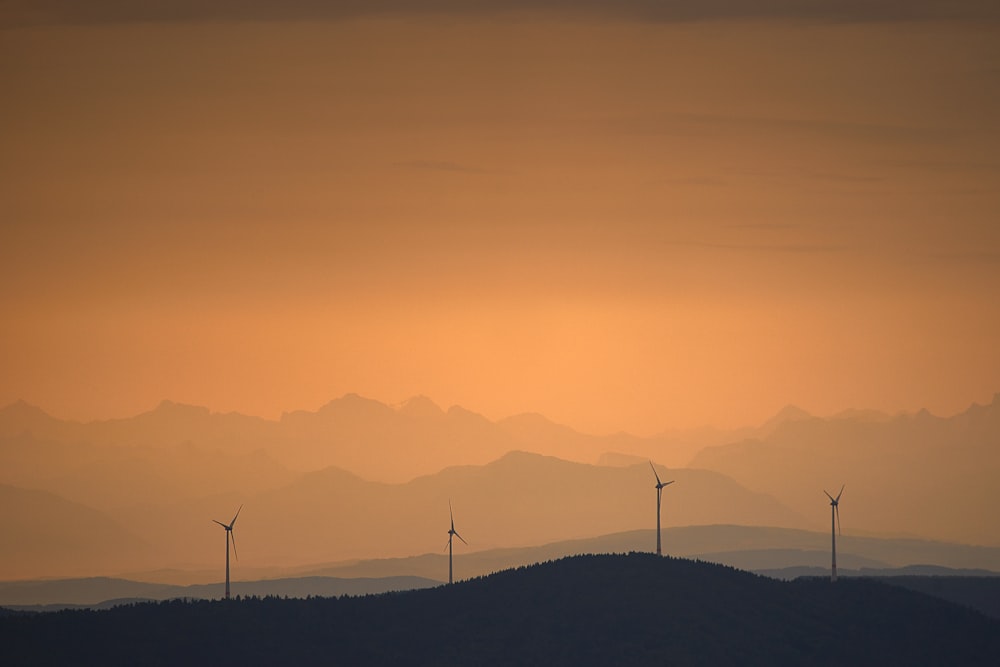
x=15, y=13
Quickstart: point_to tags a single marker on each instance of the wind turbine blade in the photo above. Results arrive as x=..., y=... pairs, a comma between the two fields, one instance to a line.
x=234, y=518
x=841, y=491
x=829, y=496
x=668, y=483
x=654, y=473
x=221, y=524
x=836, y=509
x=448, y=543
x=233, y=538
x=460, y=537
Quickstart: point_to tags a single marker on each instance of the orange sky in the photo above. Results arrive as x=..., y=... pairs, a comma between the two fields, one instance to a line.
x=622, y=222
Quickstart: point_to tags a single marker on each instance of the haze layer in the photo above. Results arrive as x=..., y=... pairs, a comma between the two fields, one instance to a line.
x=624, y=218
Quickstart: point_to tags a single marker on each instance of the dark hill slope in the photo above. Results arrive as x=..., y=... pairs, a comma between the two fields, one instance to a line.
x=982, y=593
x=584, y=610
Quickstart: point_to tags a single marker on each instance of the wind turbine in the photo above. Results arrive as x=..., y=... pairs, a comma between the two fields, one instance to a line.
x=834, y=518
x=452, y=533
x=659, y=497
x=230, y=536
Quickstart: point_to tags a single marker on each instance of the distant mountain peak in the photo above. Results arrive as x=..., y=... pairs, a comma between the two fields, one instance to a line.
x=169, y=407
x=353, y=401
x=792, y=412
x=789, y=413
x=22, y=407
x=22, y=417
x=420, y=407
x=520, y=459
x=167, y=404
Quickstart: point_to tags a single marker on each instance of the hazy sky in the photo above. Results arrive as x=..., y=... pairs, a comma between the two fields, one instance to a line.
x=636, y=217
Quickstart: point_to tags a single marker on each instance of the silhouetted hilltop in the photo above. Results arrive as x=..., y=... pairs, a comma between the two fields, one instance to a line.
x=777, y=552
x=585, y=610
x=980, y=593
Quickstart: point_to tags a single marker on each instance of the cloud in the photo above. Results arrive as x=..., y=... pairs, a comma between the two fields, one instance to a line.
x=439, y=165
x=692, y=124
x=763, y=226
x=784, y=248
x=694, y=181
x=943, y=167
x=844, y=178
x=975, y=257
x=74, y=12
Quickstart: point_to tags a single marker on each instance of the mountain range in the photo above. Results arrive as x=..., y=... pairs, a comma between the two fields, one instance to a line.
x=138, y=494
x=520, y=499
x=371, y=439
x=913, y=474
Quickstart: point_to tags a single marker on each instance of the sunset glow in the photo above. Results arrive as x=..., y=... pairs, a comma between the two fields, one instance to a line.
x=511, y=332
x=623, y=223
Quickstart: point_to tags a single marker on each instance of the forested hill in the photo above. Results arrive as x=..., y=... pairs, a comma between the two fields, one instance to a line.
x=584, y=610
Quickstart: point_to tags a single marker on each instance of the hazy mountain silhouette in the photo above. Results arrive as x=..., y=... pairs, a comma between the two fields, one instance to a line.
x=20, y=417
x=164, y=474
x=753, y=548
x=168, y=424
x=637, y=610
x=536, y=433
x=364, y=436
x=41, y=532
x=862, y=415
x=879, y=572
x=618, y=460
x=420, y=407
x=99, y=590
x=778, y=552
x=113, y=476
x=377, y=441
x=693, y=440
x=789, y=413
x=519, y=499
x=916, y=474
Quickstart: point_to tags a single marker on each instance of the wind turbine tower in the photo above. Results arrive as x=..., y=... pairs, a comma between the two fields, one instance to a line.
x=230, y=537
x=834, y=529
x=452, y=533
x=659, y=497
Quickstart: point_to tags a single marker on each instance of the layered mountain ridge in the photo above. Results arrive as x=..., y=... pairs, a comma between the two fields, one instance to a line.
x=311, y=491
